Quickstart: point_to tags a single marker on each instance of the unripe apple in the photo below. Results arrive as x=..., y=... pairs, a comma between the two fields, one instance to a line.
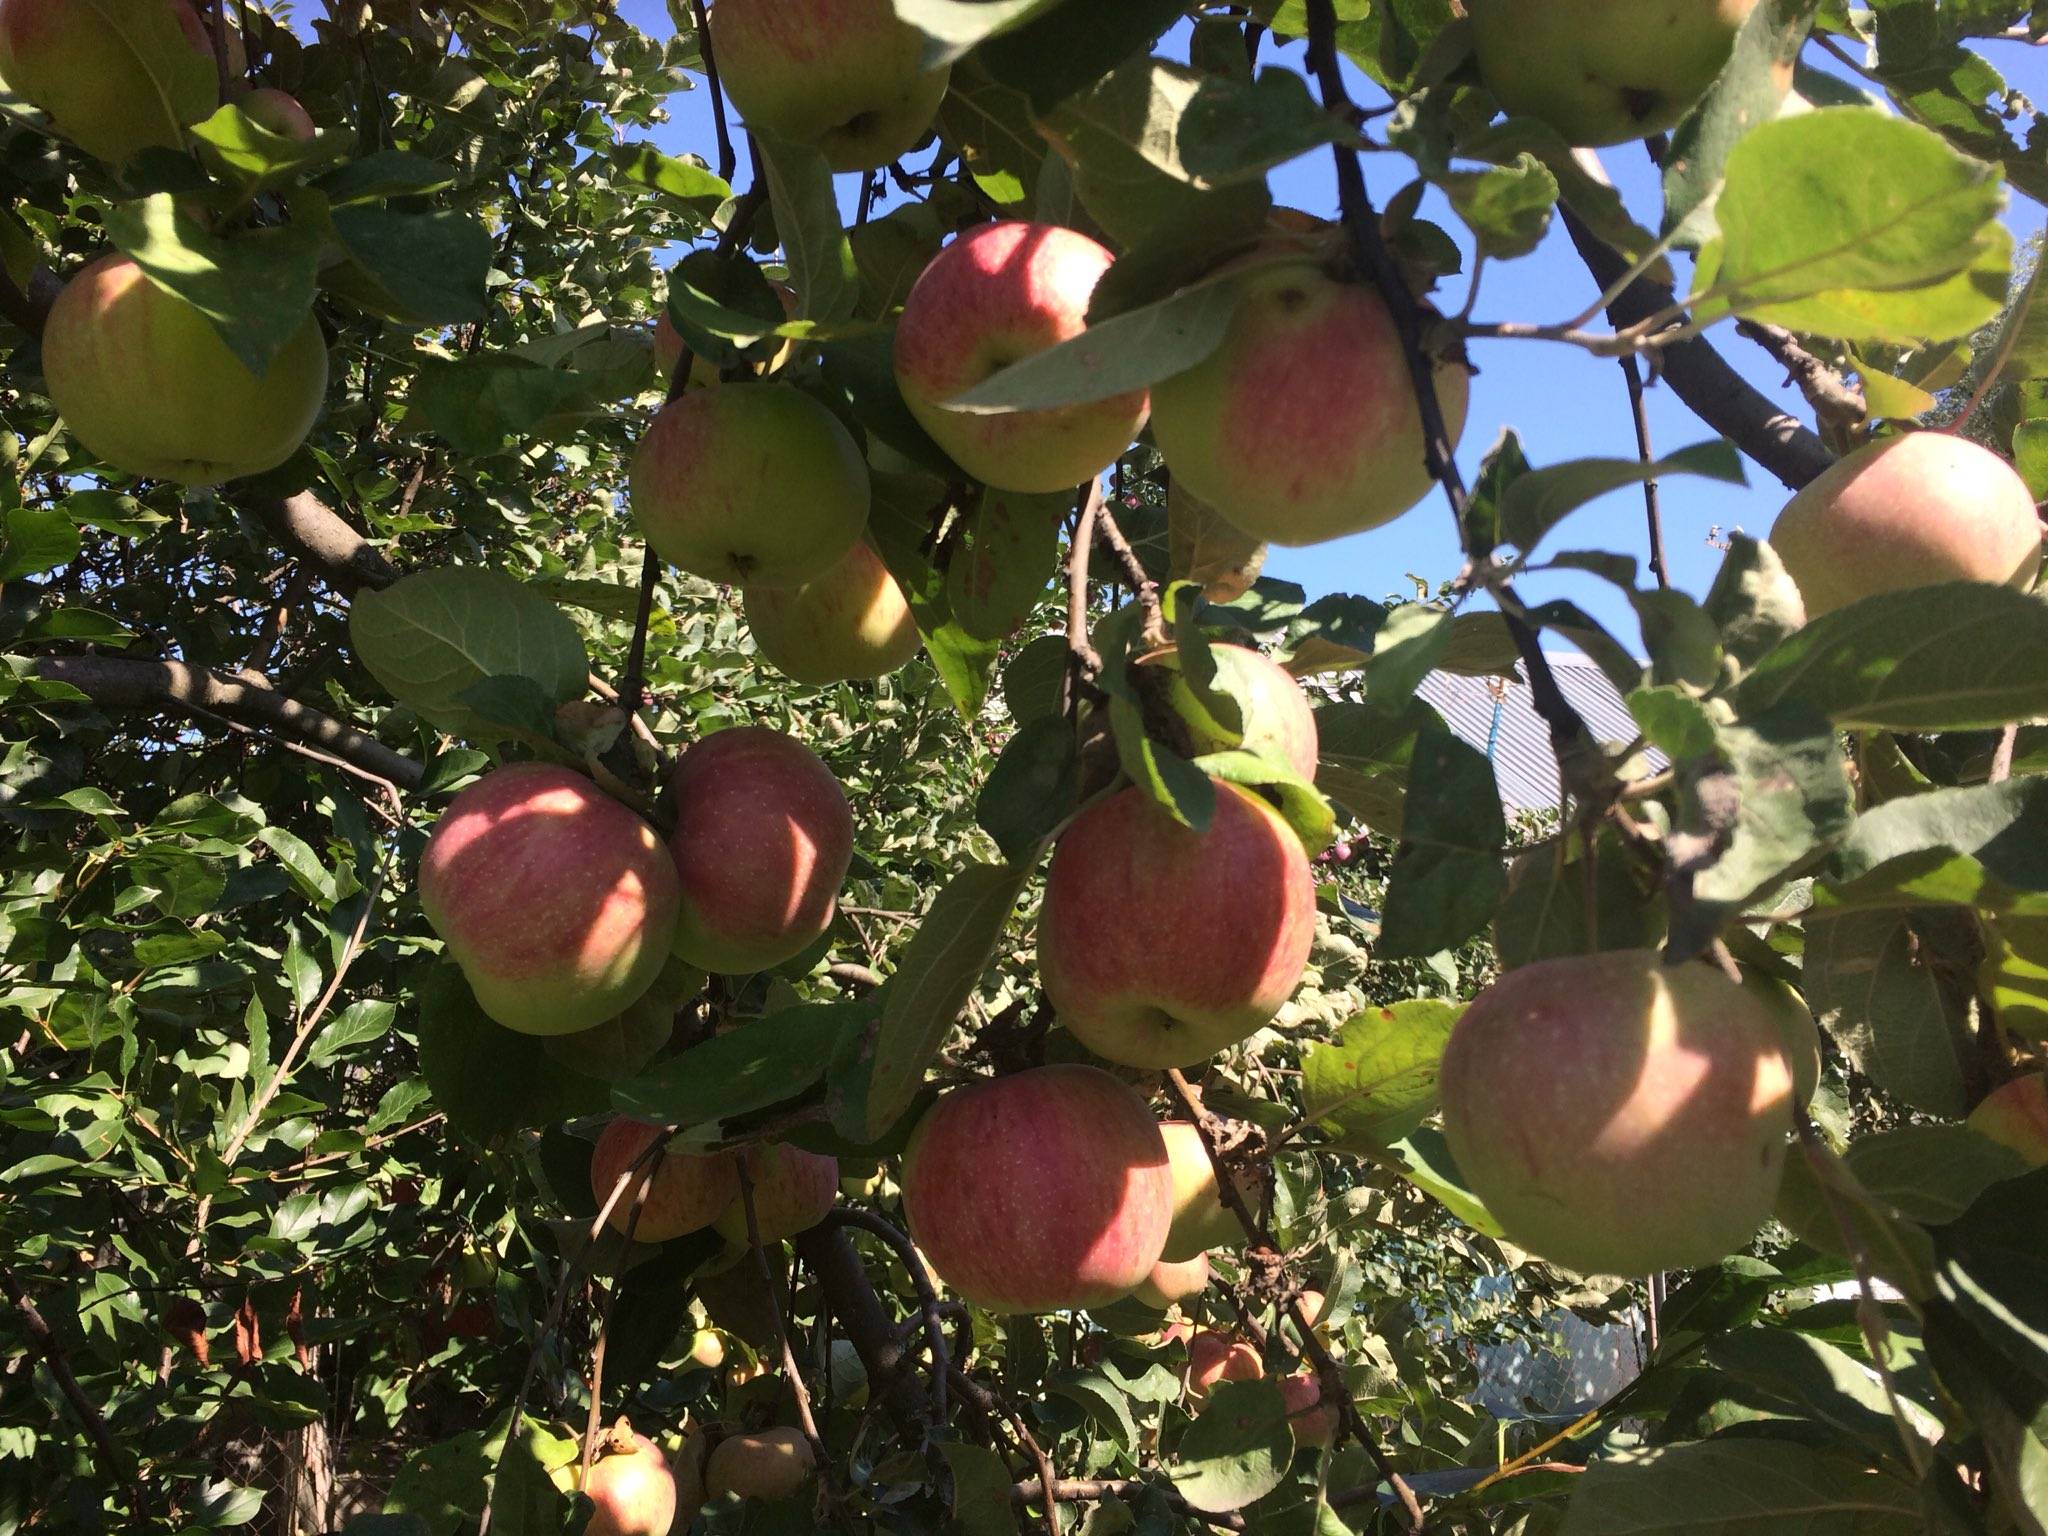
x=707, y=1350
x=1214, y=1357
x=1797, y=1030
x=1911, y=511
x=1277, y=719
x=1171, y=1283
x=846, y=76
x=1201, y=1220
x=1617, y=1115
x=850, y=622
x=111, y=90
x=1302, y=425
x=1158, y=945
x=774, y=1464
x=2015, y=1115
x=1042, y=1191
x=793, y=1189
x=756, y=483
x=685, y=1191
x=999, y=293
x=1313, y=1422
x=762, y=841
x=630, y=1484
x=1603, y=71
x=144, y=380
x=279, y=112
x=558, y=902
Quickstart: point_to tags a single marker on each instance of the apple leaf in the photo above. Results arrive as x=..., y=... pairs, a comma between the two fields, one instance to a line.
x=1031, y=681
x=1300, y=804
x=1447, y=876
x=1740, y=1485
x=807, y=221
x=698, y=188
x=1237, y=1450
x=1005, y=555
x=952, y=27
x=1899, y=1022
x=489, y=1080
x=1377, y=1080
x=37, y=541
x=1365, y=753
x=767, y=1062
x=1032, y=786
x=431, y=268
x=981, y=1490
x=1534, y=503
x=243, y=145
x=1751, y=88
x=1052, y=55
x=898, y=525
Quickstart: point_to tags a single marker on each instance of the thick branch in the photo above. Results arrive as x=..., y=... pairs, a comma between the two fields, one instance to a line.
x=316, y=533
x=867, y=1325
x=1837, y=403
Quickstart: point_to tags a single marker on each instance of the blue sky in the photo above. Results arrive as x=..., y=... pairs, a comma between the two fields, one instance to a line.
x=1564, y=403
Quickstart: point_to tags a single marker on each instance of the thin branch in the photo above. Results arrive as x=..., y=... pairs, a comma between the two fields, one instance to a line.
x=1837, y=403
x=827, y=1495
x=728, y=158
x=1147, y=590
x=110, y=1461
x=928, y=1303
x=2001, y=757
x=1084, y=661
x=633, y=687
x=1632, y=372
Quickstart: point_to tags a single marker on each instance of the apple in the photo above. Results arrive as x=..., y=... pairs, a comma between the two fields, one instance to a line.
x=1603, y=71
x=844, y=76
x=707, y=1350
x=279, y=112
x=145, y=382
x=1203, y=547
x=1277, y=719
x=1158, y=945
x=999, y=293
x=756, y=483
x=774, y=1464
x=851, y=621
x=1044, y=1191
x=1201, y=1220
x=1619, y=1116
x=557, y=901
x=686, y=1191
x=112, y=89
x=1311, y=1420
x=1797, y=1031
x=1302, y=425
x=1214, y=1357
x=2015, y=1115
x=631, y=1486
x=1910, y=511
x=668, y=346
x=1171, y=1283
x=689, y=1470
x=793, y=1189
x=762, y=841
x=618, y=1048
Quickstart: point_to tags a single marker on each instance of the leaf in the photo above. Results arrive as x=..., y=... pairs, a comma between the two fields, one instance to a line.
x=1405, y=650
x=37, y=540
x=489, y=1081
x=642, y=165
x=1954, y=657
x=426, y=268
x=387, y=173
x=255, y=288
x=939, y=972
x=1892, y=1014
x=1750, y=90
x=1507, y=208
x=1753, y=603
x=1172, y=783
x=952, y=27
x=431, y=635
x=1980, y=845
x=769, y=1061
x=1535, y=502
x=1055, y=54
x=1031, y=682
x=1301, y=806
x=1102, y=1400
x=1205, y=548
x=1447, y=876
x=1032, y=787
x=1377, y=1080
x=1008, y=550
x=1544, y=913
x=1237, y=1450
x=1733, y=1487
x=903, y=510
x=1824, y=1382
x=821, y=264
x=236, y=142
x=981, y=1490
x=360, y=1022
x=477, y=402
x=1128, y=352
x=1365, y=753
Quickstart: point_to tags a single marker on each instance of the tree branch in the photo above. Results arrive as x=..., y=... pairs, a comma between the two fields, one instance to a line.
x=45, y=1341
x=1144, y=586
x=316, y=533
x=1632, y=373
x=1837, y=403
x=868, y=1327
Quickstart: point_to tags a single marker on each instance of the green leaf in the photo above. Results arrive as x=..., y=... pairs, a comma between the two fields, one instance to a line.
x=1749, y=91
x=1894, y=1017
x=821, y=264
x=1406, y=649
x=239, y=143
x=488, y=1080
x=37, y=540
x=1544, y=913
x=1823, y=1382
x=1238, y=1449
x=1535, y=502
x=1365, y=755
x=1955, y=657
x=1032, y=787
x=642, y=165
x=476, y=402
x=952, y=27
x=256, y=288
x=2030, y=456
x=1300, y=804
x=1375, y=1083
x=1055, y=54
x=1447, y=876
x=387, y=173
x=1102, y=1400
x=1981, y=845
x=981, y=1490
x=1930, y=1174
x=1007, y=551
x=360, y=1022
x=1128, y=352
x=1031, y=681
x=769, y=1061
x=424, y=268
x=1507, y=208
x=939, y=972
x=431, y=635
x=1173, y=783
x=1753, y=603
x=1736, y=1487
x=898, y=525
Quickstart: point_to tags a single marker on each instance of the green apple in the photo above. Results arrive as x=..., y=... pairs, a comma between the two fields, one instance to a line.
x=850, y=622
x=845, y=76
x=1201, y=1220
x=773, y=1464
x=618, y=1048
x=754, y=483
x=1796, y=1028
x=114, y=78
x=145, y=382
x=1276, y=719
x=1603, y=71
x=1302, y=425
x=278, y=112
x=1171, y=1283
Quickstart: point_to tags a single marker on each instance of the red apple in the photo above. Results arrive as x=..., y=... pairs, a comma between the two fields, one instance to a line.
x=851, y=622
x=631, y=1486
x=1276, y=718
x=1214, y=1357
x=1201, y=1220
x=2015, y=1115
x=111, y=89
x=1170, y=1283
x=793, y=1189
x=1617, y=1115
x=557, y=901
x=762, y=842
x=279, y=112
x=1158, y=945
x=999, y=293
x=1910, y=511
x=774, y=1464
x=144, y=381
x=1312, y=1422
x=686, y=1192
x=1302, y=425
x=1043, y=1191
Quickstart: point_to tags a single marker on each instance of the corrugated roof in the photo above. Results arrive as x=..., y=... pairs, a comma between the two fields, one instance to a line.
x=1496, y=716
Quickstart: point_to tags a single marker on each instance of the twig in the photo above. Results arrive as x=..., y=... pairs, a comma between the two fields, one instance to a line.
x=728, y=159
x=1146, y=589
x=1632, y=371
x=928, y=1303
x=1837, y=403
x=1084, y=661
x=2001, y=758
x=633, y=687
x=110, y=1460
x=827, y=1495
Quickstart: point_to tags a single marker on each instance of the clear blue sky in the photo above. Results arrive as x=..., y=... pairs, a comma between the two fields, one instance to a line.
x=1564, y=403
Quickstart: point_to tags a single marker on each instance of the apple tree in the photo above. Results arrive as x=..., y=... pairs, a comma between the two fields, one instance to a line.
x=669, y=869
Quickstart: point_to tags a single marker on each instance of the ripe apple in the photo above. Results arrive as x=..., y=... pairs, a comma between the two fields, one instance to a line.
x=1619, y=1116
x=774, y=1464
x=2015, y=1115
x=845, y=76
x=1911, y=511
x=707, y=1350
x=686, y=1191
x=999, y=293
x=1214, y=1357
x=143, y=380
x=1603, y=71
x=793, y=1189
x=1302, y=425
x=631, y=1486
x=1312, y=1421
x=1277, y=719
x=1159, y=945
x=1043, y=1191
x=756, y=483
x=851, y=621
x=1171, y=1283
x=279, y=112
x=1796, y=1029
x=111, y=89
x=762, y=841
x=557, y=901
x=1201, y=1220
